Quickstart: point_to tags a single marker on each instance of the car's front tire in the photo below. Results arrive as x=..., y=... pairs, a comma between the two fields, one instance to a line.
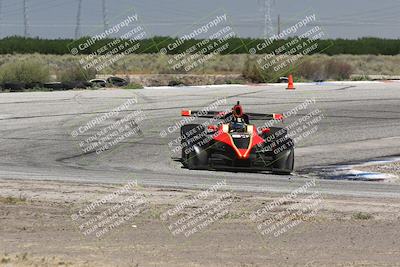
x=194, y=156
x=197, y=158
x=284, y=162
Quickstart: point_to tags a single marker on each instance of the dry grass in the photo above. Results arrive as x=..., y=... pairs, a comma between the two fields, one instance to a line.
x=12, y=200
x=362, y=216
x=27, y=71
x=221, y=64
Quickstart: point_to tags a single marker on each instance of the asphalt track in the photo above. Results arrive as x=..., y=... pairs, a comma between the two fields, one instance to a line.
x=361, y=121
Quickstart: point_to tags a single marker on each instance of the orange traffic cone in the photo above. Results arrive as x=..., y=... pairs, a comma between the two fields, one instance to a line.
x=290, y=83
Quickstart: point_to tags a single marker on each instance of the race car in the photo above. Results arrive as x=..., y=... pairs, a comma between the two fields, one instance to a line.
x=233, y=143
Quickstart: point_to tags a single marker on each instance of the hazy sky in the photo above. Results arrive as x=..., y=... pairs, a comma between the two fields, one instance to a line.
x=339, y=18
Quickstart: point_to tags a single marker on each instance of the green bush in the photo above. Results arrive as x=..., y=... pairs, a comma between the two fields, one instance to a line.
x=254, y=72
x=375, y=46
x=338, y=70
x=324, y=69
x=24, y=71
x=311, y=70
x=75, y=72
x=251, y=71
x=133, y=86
x=362, y=216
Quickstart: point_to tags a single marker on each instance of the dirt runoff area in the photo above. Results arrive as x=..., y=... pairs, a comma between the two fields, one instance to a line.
x=47, y=223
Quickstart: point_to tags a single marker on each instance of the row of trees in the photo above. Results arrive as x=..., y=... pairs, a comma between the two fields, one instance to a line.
x=374, y=46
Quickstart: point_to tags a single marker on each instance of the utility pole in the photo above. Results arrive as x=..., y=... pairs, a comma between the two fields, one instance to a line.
x=1, y=5
x=78, y=20
x=266, y=9
x=105, y=22
x=279, y=24
x=25, y=19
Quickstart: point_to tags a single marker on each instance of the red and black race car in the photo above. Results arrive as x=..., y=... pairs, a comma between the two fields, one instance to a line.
x=233, y=143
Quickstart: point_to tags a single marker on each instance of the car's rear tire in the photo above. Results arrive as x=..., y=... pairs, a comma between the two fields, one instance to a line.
x=117, y=81
x=14, y=87
x=54, y=86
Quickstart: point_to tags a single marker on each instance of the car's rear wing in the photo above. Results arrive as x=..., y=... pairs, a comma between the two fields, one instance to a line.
x=260, y=116
x=202, y=113
x=215, y=114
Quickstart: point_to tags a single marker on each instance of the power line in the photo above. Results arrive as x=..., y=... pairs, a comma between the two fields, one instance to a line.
x=382, y=10
x=385, y=16
x=36, y=7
